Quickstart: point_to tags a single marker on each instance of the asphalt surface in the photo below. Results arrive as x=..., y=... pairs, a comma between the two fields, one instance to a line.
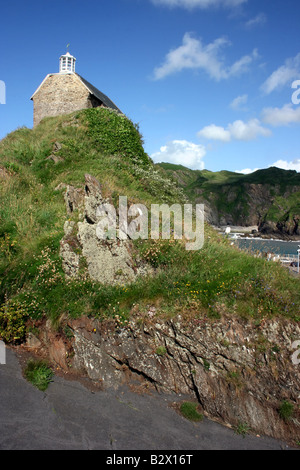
x=69, y=416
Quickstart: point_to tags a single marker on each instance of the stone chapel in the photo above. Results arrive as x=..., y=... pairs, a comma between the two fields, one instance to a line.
x=65, y=92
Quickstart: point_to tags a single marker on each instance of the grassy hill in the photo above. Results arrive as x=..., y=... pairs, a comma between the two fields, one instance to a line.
x=193, y=178
x=33, y=165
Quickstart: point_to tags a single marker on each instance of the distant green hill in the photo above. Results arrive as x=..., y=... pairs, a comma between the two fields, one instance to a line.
x=269, y=198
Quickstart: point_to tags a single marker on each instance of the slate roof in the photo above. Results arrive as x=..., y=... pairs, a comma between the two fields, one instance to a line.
x=98, y=94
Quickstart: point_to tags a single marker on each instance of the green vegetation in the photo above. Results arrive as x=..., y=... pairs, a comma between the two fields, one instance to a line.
x=115, y=134
x=38, y=373
x=242, y=429
x=218, y=278
x=161, y=351
x=209, y=179
x=189, y=410
x=13, y=318
x=284, y=208
x=286, y=410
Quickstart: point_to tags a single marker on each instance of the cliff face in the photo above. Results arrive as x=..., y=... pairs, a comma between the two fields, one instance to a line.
x=254, y=204
x=239, y=371
x=267, y=198
x=237, y=205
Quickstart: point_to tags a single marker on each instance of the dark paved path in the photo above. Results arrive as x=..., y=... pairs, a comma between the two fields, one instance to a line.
x=70, y=416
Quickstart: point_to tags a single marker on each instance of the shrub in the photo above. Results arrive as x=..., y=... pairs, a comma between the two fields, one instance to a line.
x=13, y=317
x=115, y=134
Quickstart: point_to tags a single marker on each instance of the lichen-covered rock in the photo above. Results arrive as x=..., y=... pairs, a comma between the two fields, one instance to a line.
x=107, y=256
x=108, y=261
x=73, y=199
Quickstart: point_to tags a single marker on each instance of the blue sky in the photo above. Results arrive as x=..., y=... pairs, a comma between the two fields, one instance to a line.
x=208, y=81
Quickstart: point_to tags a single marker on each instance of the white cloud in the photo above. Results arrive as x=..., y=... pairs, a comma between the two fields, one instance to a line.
x=238, y=102
x=293, y=165
x=246, y=171
x=203, y=4
x=283, y=164
x=259, y=19
x=238, y=130
x=283, y=75
x=250, y=130
x=192, y=54
x=181, y=152
x=213, y=132
x=281, y=116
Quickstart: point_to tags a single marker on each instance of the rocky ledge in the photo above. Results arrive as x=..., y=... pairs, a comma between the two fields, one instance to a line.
x=239, y=371
x=284, y=230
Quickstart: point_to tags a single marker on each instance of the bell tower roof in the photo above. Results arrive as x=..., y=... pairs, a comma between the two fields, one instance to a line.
x=67, y=63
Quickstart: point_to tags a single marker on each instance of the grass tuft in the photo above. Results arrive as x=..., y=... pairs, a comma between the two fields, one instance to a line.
x=286, y=410
x=38, y=373
x=189, y=411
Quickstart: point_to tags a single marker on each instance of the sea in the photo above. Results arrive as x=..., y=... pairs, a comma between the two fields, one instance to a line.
x=258, y=245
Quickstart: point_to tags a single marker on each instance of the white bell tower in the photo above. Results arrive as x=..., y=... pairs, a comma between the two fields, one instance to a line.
x=67, y=63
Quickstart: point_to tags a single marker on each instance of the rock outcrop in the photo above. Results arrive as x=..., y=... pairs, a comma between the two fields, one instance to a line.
x=86, y=244
x=287, y=228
